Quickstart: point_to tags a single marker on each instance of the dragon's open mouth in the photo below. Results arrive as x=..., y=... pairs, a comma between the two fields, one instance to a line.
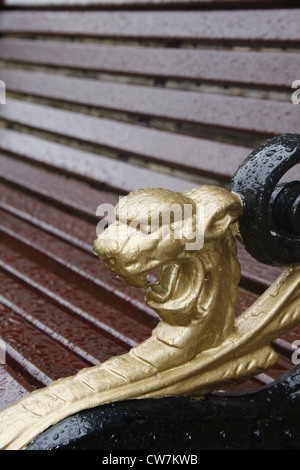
x=158, y=283
x=161, y=282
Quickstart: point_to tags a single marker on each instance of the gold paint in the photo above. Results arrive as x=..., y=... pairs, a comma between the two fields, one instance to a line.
x=198, y=346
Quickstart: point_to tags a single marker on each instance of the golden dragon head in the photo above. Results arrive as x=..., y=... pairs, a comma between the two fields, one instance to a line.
x=158, y=229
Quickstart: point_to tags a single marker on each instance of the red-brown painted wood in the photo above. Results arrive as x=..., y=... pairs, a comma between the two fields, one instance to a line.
x=216, y=26
x=81, y=269
x=261, y=69
x=250, y=115
x=55, y=188
x=39, y=357
x=147, y=3
x=12, y=387
x=103, y=171
x=102, y=317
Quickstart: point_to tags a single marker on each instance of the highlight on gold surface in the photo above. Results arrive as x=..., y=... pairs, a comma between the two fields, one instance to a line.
x=199, y=345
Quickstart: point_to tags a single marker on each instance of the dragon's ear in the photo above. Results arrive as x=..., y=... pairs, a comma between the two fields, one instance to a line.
x=220, y=223
x=219, y=210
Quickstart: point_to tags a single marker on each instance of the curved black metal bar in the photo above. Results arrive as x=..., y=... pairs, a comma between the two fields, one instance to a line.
x=285, y=208
x=268, y=418
x=255, y=181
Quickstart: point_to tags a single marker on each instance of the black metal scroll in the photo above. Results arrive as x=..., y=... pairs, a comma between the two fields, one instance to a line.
x=270, y=224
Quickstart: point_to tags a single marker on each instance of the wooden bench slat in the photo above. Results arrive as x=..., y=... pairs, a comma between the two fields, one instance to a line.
x=54, y=220
x=80, y=322
x=139, y=3
x=55, y=189
x=267, y=69
x=190, y=153
x=103, y=171
x=264, y=117
x=112, y=323
x=178, y=105
x=67, y=330
x=200, y=155
x=217, y=26
x=256, y=277
x=282, y=365
x=80, y=268
x=30, y=343
x=12, y=387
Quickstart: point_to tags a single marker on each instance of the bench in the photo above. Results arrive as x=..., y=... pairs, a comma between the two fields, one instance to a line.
x=103, y=98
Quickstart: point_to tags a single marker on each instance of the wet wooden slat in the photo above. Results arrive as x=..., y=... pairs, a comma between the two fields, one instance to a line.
x=31, y=344
x=161, y=103
x=80, y=308
x=80, y=268
x=256, y=277
x=211, y=158
x=12, y=387
x=76, y=334
x=56, y=221
x=141, y=3
x=283, y=364
x=190, y=153
x=213, y=26
x=200, y=155
x=103, y=171
x=55, y=188
x=267, y=69
x=264, y=117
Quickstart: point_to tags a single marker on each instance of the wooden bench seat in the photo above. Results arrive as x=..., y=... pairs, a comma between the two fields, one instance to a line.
x=108, y=97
